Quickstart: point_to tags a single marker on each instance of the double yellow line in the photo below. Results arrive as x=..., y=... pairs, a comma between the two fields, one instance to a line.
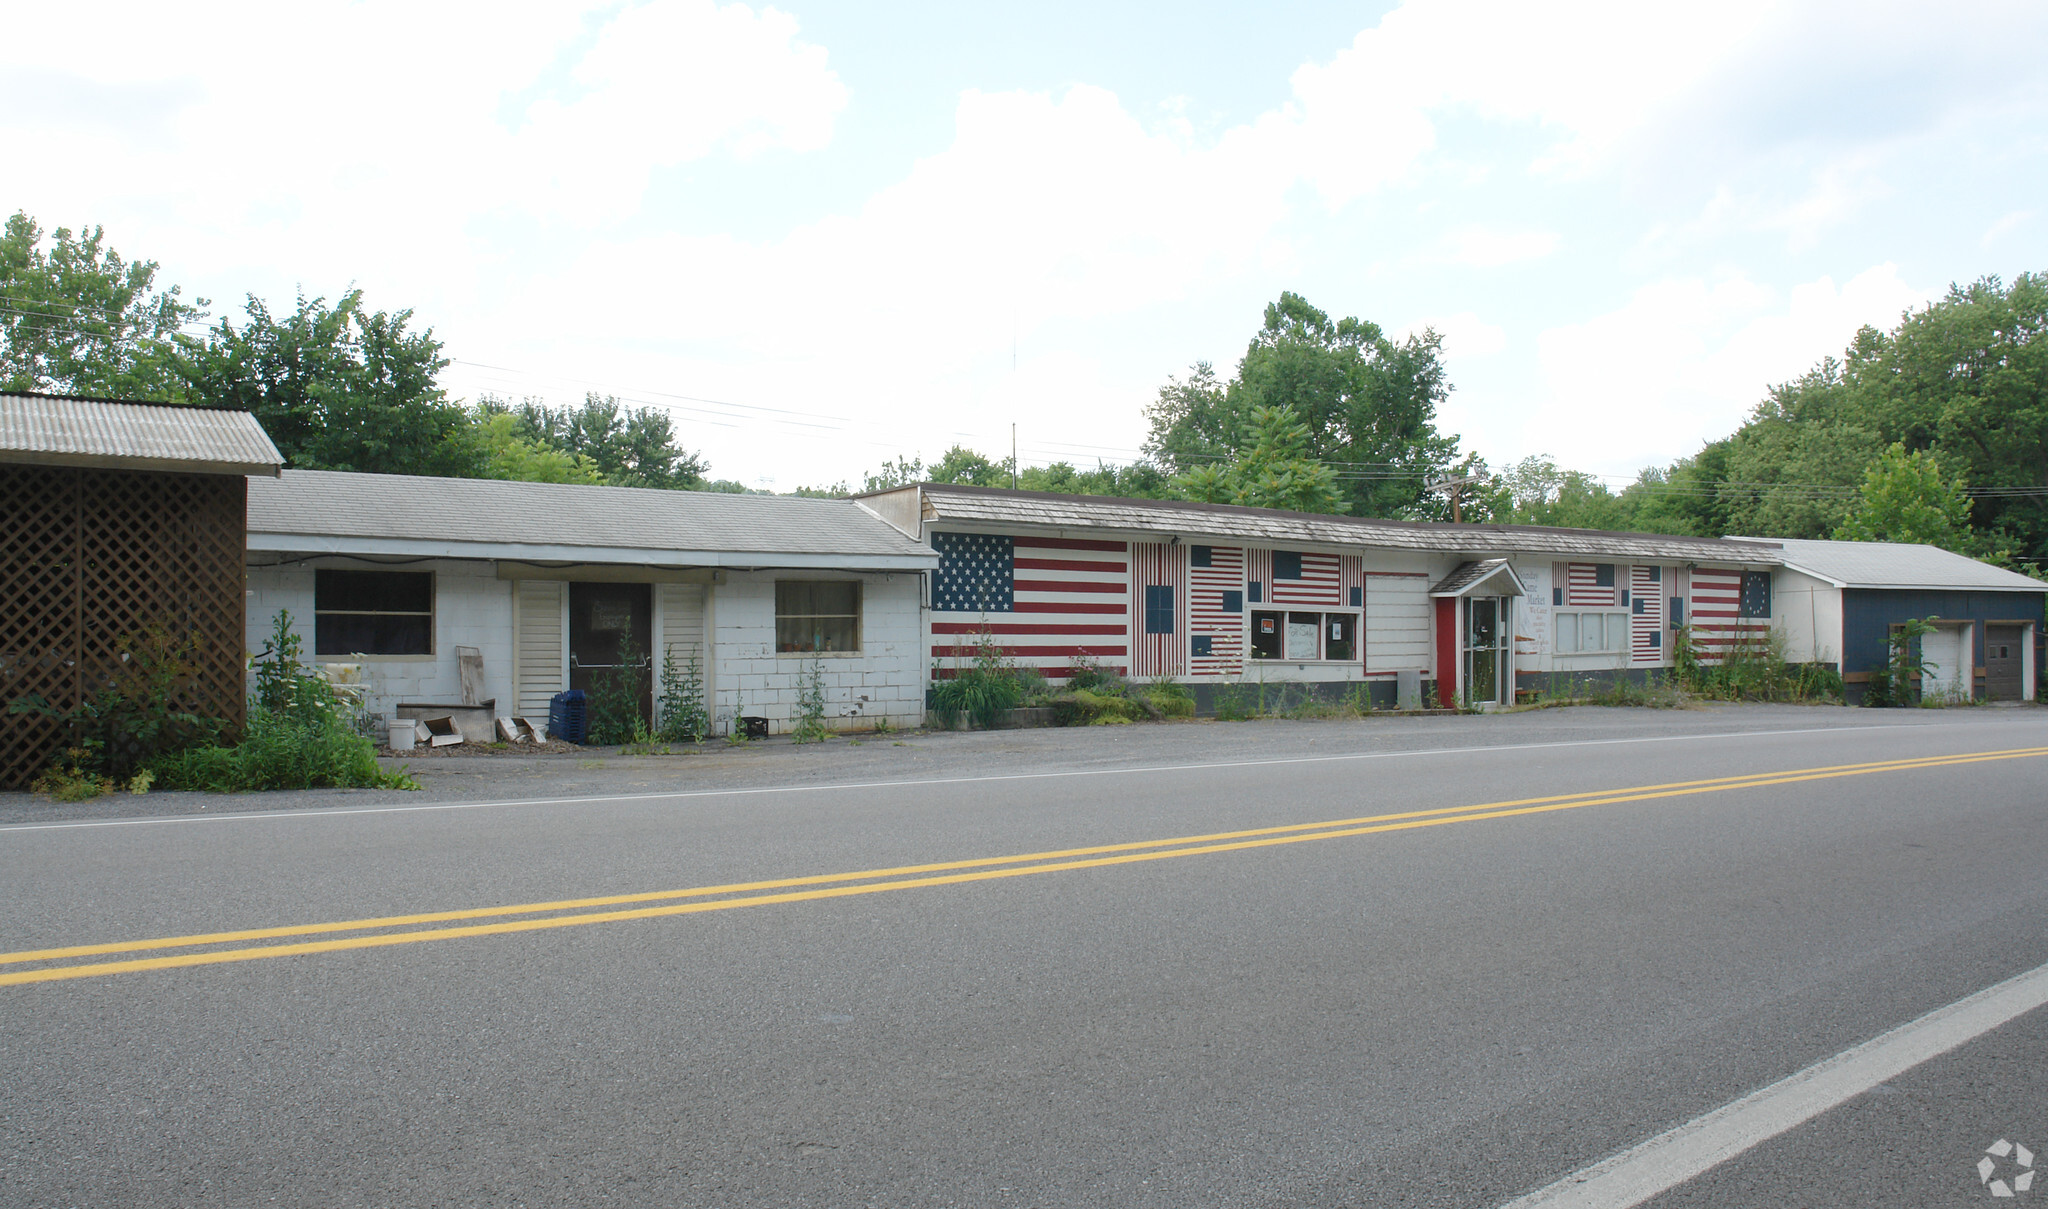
x=217, y=947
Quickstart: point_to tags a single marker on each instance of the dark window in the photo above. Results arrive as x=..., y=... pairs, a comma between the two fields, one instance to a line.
x=1603, y=575
x=1656, y=640
x=1656, y=574
x=1198, y=556
x=1233, y=601
x=1340, y=636
x=814, y=615
x=1286, y=564
x=1256, y=591
x=1557, y=597
x=1266, y=631
x=1640, y=606
x=1624, y=597
x=1756, y=594
x=1358, y=598
x=1677, y=611
x=1158, y=609
x=1200, y=645
x=373, y=612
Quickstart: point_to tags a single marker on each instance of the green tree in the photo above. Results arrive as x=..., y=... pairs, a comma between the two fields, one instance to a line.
x=899, y=473
x=1367, y=404
x=75, y=318
x=510, y=455
x=1272, y=470
x=1904, y=498
x=628, y=447
x=339, y=388
x=965, y=467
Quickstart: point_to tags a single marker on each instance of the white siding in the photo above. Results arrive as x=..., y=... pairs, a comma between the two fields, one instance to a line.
x=1396, y=622
x=885, y=679
x=679, y=616
x=542, y=672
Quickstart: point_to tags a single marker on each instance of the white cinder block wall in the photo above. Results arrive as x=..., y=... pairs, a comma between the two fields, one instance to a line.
x=884, y=680
x=472, y=607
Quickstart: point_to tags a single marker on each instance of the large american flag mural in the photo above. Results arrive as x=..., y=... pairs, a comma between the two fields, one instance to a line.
x=1216, y=610
x=1046, y=601
x=1730, y=609
x=1646, y=614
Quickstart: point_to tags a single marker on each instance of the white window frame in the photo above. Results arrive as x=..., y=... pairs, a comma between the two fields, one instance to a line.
x=1558, y=622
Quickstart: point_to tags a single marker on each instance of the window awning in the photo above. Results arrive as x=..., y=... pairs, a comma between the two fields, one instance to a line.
x=1490, y=577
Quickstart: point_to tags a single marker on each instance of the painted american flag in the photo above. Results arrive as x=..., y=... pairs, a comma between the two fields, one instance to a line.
x=1646, y=614
x=1319, y=582
x=1045, y=600
x=1216, y=604
x=1159, y=597
x=1729, y=609
x=1583, y=589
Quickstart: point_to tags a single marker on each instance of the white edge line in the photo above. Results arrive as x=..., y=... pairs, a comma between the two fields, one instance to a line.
x=1677, y=1155
x=903, y=784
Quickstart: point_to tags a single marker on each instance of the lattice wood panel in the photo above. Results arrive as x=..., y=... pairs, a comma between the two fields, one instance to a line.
x=89, y=557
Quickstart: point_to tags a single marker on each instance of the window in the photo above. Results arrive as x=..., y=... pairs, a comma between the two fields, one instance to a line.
x=813, y=616
x=1265, y=635
x=1199, y=556
x=1255, y=591
x=1591, y=633
x=1233, y=601
x=1286, y=564
x=1340, y=637
x=1158, y=609
x=1603, y=575
x=1305, y=637
x=373, y=612
x=1201, y=646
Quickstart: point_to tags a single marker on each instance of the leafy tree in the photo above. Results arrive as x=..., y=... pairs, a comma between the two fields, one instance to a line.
x=1905, y=499
x=509, y=455
x=339, y=388
x=963, y=466
x=628, y=447
x=1139, y=480
x=1367, y=404
x=1273, y=471
x=75, y=318
x=899, y=473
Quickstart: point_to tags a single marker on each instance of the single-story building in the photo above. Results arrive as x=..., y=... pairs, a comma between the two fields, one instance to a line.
x=542, y=581
x=1840, y=602
x=119, y=516
x=1217, y=594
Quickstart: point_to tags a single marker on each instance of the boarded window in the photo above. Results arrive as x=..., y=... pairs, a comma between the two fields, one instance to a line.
x=814, y=616
x=1233, y=601
x=1198, y=556
x=1286, y=564
x=1603, y=575
x=373, y=612
x=1201, y=646
x=1158, y=609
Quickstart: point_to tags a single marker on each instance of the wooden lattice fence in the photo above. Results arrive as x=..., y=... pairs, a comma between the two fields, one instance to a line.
x=89, y=558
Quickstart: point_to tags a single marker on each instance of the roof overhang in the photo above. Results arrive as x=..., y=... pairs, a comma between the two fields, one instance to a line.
x=1491, y=577
x=403, y=547
x=102, y=461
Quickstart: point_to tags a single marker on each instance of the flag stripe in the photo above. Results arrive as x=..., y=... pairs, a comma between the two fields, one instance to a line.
x=1207, y=617
x=1069, y=602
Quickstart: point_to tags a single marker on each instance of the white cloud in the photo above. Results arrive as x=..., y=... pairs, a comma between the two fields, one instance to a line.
x=1486, y=247
x=1684, y=361
x=2005, y=226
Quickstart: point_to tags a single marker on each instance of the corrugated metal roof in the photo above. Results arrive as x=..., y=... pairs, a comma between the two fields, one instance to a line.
x=113, y=434
x=343, y=512
x=1900, y=565
x=951, y=505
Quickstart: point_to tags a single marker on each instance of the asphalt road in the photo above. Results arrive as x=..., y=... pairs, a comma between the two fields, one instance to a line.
x=1441, y=1009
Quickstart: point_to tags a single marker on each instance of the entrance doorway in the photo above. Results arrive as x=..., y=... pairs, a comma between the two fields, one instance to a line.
x=1486, y=656
x=2005, y=662
x=600, y=616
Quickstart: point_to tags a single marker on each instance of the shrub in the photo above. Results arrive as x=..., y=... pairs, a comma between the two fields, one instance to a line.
x=615, y=715
x=1086, y=707
x=138, y=711
x=810, y=705
x=683, y=716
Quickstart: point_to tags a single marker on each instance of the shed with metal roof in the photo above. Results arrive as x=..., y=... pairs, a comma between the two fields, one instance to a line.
x=122, y=517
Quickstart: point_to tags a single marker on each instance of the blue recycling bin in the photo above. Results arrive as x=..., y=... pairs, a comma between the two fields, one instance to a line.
x=569, y=716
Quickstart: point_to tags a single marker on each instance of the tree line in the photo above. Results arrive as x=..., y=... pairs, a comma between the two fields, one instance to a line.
x=338, y=386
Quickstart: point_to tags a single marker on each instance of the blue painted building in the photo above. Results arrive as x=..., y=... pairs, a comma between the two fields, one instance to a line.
x=1838, y=602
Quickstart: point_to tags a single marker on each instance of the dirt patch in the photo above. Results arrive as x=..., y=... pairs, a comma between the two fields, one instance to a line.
x=551, y=747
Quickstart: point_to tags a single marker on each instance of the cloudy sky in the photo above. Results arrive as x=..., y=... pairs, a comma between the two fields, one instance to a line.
x=829, y=233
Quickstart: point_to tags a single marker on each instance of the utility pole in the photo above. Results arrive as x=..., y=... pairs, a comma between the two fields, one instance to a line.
x=1013, y=455
x=1453, y=486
